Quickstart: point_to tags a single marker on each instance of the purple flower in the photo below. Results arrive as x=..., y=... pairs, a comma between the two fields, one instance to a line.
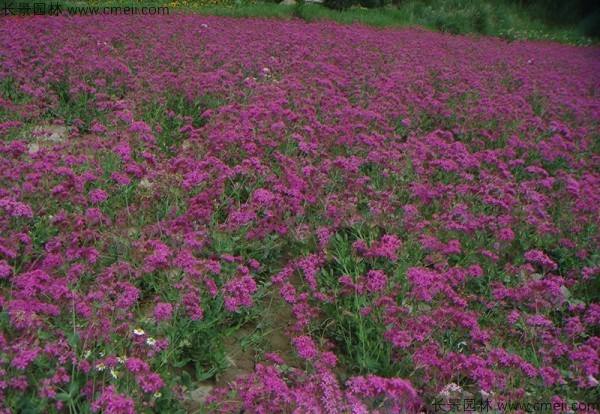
x=238, y=292
x=305, y=347
x=136, y=365
x=506, y=234
x=24, y=358
x=539, y=257
x=376, y=280
x=163, y=311
x=5, y=269
x=98, y=196
x=150, y=382
x=111, y=402
x=16, y=208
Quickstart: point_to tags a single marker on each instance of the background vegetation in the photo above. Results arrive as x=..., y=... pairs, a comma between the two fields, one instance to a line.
x=576, y=21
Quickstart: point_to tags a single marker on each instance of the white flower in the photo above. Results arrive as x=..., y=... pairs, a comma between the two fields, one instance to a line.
x=113, y=373
x=450, y=389
x=157, y=395
x=151, y=341
x=100, y=367
x=87, y=354
x=138, y=332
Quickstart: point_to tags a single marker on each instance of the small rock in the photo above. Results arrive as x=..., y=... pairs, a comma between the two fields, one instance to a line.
x=145, y=183
x=33, y=148
x=201, y=393
x=288, y=2
x=50, y=133
x=229, y=375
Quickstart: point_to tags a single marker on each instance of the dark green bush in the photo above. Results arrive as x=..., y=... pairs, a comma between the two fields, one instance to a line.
x=476, y=18
x=481, y=21
x=371, y=4
x=446, y=24
x=590, y=25
x=339, y=4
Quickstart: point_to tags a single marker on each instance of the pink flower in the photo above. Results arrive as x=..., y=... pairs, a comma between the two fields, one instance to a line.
x=376, y=280
x=98, y=196
x=120, y=178
x=539, y=320
x=24, y=358
x=163, y=311
x=238, y=291
x=191, y=302
x=5, y=269
x=475, y=271
x=506, y=234
x=263, y=197
x=150, y=382
x=15, y=208
x=305, y=347
x=513, y=317
x=111, y=402
x=159, y=257
x=136, y=365
x=539, y=257
x=140, y=127
x=551, y=376
x=386, y=247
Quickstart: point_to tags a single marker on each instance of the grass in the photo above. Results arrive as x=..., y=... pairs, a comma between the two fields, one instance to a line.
x=502, y=18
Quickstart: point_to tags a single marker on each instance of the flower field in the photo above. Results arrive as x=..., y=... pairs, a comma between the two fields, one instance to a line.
x=214, y=215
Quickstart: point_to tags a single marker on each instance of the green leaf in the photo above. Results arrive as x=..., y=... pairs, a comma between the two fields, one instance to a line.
x=181, y=363
x=62, y=396
x=73, y=388
x=73, y=339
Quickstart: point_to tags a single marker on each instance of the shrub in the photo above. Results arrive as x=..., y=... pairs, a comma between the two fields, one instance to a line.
x=590, y=25
x=339, y=4
x=371, y=4
x=481, y=21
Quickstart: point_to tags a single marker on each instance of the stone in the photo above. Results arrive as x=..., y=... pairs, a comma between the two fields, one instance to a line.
x=33, y=147
x=288, y=2
x=186, y=144
x=145, y=183
x=50, y=133
x=229, y=375
x=201, y=393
